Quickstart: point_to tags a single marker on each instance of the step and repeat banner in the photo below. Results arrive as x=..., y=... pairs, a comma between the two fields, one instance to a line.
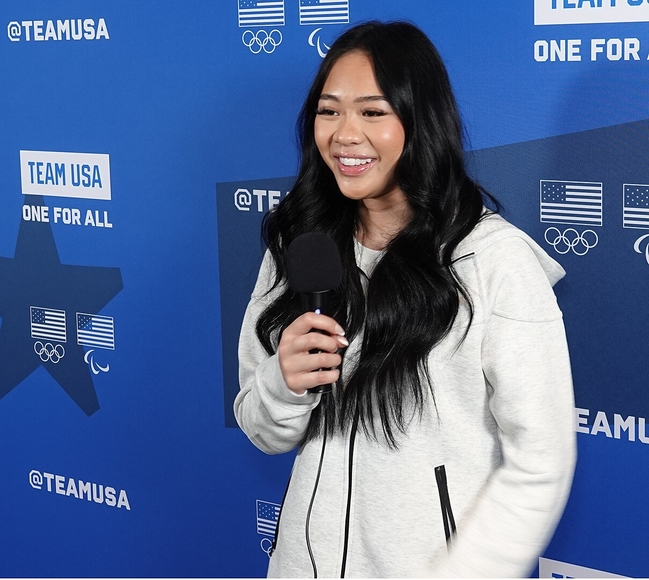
x=142, y=143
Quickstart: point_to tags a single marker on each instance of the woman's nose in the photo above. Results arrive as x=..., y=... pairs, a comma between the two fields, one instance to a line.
x=348, y=131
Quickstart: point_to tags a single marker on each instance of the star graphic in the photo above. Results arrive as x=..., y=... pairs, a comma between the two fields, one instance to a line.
x=36, y=277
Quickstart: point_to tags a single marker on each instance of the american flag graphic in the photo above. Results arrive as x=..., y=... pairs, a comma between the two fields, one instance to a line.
x=47, y=323
x=267, y=517
x=571, y=202
x=261, y=13
x=636, y=206
x=324, y=12
x=95, y=330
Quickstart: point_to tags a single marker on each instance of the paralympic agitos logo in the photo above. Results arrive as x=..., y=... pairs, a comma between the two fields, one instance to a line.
x=639, y=243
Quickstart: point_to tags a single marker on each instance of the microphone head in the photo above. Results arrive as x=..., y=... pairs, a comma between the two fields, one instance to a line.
x=313, y=263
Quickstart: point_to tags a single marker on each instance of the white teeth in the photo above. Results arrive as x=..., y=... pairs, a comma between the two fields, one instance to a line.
x=349, y=161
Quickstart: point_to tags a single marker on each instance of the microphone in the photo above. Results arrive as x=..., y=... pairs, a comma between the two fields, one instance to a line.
x=314, y=269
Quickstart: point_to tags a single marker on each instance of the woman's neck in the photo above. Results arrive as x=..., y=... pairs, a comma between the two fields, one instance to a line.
x=380, y=223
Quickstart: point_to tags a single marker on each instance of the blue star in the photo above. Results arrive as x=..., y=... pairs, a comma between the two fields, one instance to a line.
x=36, y=277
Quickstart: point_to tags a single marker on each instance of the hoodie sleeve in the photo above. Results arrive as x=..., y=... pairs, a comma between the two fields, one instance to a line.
x=527, y=369
x=273, y=417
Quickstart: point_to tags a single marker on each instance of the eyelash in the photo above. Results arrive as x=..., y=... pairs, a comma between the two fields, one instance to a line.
x=369, y=113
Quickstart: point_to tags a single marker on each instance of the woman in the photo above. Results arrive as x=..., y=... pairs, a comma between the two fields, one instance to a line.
x=453, y=400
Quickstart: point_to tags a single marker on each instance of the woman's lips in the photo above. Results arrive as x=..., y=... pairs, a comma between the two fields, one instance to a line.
x=354, y=165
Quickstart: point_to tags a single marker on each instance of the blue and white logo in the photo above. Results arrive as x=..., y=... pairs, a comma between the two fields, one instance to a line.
x=571, y=202
x=63, y=174
x=316, y=41
x=258, y=13
x=71, y=487
x=261, y=200
x=635, y=213
x=267, y=519
x=589, y=11
x=69, y=29
x=642, y=242
x=261, y=40
x=555, y=569
x=261, y=13
x=324, y=12
x=570, y=240
x=35, y=315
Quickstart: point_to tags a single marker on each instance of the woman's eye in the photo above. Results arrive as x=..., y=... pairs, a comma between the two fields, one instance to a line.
x=374, y=113
x=325, y=111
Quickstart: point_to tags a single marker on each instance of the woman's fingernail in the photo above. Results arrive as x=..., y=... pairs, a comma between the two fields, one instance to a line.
x=342, y=340
x=339, y=330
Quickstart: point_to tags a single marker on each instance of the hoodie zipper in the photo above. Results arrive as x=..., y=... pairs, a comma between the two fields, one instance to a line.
x=445, y=502
x=352, y=440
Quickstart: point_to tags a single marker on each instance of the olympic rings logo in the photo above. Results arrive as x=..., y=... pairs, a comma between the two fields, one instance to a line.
x=49, y=352
x=266, y=41
x=571, y=239
x=267, y=545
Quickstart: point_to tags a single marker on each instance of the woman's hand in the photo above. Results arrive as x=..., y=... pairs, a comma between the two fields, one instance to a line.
x=301, y=369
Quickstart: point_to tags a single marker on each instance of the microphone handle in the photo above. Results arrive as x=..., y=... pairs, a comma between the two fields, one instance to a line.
x=317, y=302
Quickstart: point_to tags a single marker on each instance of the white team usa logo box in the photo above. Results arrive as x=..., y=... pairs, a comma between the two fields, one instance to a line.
x=555, y=569
x=590, y=11
x=65, y=174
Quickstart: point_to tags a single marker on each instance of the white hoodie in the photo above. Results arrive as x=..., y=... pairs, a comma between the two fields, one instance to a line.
x=501, y=424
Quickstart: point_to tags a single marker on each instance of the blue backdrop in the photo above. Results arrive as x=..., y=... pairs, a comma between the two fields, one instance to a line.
x=142, y=142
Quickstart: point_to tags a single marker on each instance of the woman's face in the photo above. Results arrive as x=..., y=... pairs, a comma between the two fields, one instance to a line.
x=357, y=133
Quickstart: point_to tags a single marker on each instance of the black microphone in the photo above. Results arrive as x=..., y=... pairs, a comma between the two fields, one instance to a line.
x=314, y=269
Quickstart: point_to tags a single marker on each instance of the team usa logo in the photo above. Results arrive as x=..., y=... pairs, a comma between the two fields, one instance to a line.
x=83, y=490
x=69, y=29
x=589, y=11
x=267, y=519
x=268, y=15
x=636, y=214
x=48, y=326
x=578, y=203
x=260, y=200
x=50, y=312
x=50, y=316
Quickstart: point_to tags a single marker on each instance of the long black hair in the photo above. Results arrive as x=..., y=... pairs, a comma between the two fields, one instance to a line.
x=413, y=295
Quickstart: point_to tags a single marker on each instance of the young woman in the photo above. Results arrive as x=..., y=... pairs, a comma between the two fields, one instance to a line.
x=452, y=405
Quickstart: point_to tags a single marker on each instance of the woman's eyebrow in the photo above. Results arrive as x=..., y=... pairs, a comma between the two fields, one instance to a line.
x=329, y=97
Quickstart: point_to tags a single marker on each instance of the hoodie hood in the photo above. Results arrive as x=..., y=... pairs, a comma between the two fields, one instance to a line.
x=491, y=229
